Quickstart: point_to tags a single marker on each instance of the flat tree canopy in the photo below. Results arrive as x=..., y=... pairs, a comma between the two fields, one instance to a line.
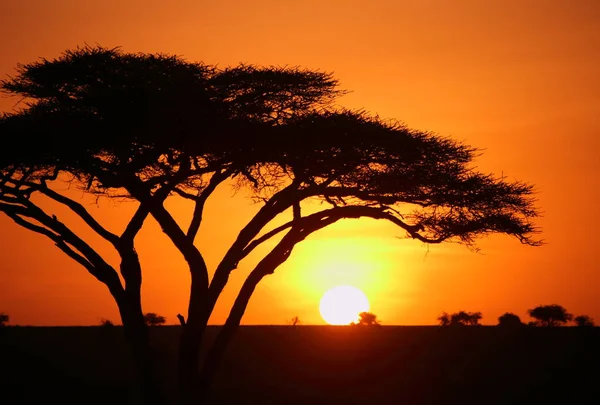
x=550, y=315
x=148, y=126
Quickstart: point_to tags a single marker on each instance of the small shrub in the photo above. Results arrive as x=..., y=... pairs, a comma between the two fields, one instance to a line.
x=583, y=321
x=509, y=319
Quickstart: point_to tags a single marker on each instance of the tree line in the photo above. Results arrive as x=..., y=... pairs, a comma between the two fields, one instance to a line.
x=542, y=315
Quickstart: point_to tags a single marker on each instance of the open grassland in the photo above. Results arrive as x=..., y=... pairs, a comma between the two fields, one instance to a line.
x=318, y=365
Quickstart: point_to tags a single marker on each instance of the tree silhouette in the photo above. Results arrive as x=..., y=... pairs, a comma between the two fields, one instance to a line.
x=460, y=318
x=444, y=319
x=509, y=319
x=295, y=321
x=550, y=315
x=153, y=319
x=367, y=319
x=144, y=127
x=465, y=318
x=583, y=321
x=3, y=319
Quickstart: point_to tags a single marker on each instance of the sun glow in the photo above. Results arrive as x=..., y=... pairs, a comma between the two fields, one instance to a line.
x=342, y=304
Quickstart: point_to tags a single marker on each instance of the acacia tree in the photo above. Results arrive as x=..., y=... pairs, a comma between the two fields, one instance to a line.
x=152, y=319
x=460, y=318
x=550, y=315
x=146, y=127
x=444, y=319
x=368, y=319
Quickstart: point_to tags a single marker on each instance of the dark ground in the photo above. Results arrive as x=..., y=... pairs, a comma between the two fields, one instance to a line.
x=318, y=365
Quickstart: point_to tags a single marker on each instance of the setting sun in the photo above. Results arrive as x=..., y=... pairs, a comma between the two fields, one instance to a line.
x=342, y=304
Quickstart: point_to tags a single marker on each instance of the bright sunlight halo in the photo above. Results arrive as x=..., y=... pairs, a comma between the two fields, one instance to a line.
x=342, y=304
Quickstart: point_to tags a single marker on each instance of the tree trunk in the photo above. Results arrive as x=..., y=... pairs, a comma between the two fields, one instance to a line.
x=148, y=388
x=189, y=364
x=215, y=355
x=191, y=342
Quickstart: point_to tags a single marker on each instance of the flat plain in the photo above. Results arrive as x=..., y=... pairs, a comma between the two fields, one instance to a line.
x=318, y=365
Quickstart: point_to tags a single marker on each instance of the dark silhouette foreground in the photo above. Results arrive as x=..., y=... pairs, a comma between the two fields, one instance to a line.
x=321, y=365
x=144, y=128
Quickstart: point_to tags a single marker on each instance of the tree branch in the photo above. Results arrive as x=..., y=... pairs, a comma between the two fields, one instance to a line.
x=252, y=245
x=135, y=224
x=80, y=210
x=61, y=235
x=215, y=180
x=300, y=229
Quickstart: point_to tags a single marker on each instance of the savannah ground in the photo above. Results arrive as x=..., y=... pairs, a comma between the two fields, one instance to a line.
x=318, y=365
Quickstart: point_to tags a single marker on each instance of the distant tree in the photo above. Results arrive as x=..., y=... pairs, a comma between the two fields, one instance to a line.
x=153, y=319
x=444, y=319
x=583, y=321
x=550, y=315
x=295, y=321
x=463, y=318
x=367, y=319
x=4, y=318
x=146, y=127
x=509, y=319
x=106, y=323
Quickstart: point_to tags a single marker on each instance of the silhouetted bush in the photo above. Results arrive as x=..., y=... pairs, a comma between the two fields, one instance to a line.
x=509, y=319
x=4, y=318
x=366, y=319
x=153, y=319
x=460, y=318
x=106, y=323
x=295, y=321
x=444, y=319
x=550, y=315
x=583, y=321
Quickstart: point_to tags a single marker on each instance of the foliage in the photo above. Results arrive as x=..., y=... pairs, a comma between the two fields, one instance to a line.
x=145, y=127
x=583, y=321
x=444, y=319
x=295, y=321
x=153, y=319
x=465, y=318
x=509, y=319
x=367, y=319
x=4, y=319
x=550, y=315
x=460, y=318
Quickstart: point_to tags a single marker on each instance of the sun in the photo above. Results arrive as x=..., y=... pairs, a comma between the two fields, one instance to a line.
x=342, y=304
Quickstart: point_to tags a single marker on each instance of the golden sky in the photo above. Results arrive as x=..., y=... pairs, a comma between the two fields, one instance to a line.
x=519, y=79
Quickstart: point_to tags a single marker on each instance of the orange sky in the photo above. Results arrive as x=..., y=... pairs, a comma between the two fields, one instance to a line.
x=517, y=78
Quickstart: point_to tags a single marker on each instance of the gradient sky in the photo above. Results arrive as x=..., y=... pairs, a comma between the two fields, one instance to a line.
x=518, y=79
